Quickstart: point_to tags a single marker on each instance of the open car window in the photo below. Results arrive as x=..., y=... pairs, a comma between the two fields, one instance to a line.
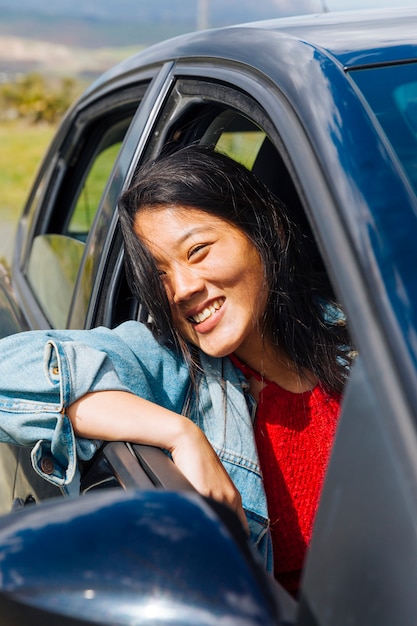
x=88, y=155
x=232, y=123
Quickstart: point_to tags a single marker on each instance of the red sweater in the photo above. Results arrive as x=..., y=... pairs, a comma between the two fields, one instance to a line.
x=294, y=434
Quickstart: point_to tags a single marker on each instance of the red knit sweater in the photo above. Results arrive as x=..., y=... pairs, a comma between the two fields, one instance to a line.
x=294, y=434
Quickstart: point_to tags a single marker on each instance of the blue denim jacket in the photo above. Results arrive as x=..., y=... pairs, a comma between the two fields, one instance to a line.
x=43, y=372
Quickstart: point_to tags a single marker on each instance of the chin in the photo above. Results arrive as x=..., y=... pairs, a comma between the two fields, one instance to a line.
x=216, y=349
x=218, y=352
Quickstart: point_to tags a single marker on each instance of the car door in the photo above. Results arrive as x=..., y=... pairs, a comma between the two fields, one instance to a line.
x=233, y=121
x=64, y=204
x=365, y=545
x=363, y=560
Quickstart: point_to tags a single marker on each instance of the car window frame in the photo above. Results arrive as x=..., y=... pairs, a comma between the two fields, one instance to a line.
x=173, y=105
x=42, y=203
x=97, y=263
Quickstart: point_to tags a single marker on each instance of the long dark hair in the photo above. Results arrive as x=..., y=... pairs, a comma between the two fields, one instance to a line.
x=299, y=315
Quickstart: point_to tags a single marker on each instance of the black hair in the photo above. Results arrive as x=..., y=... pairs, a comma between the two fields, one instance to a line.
x=296, y=316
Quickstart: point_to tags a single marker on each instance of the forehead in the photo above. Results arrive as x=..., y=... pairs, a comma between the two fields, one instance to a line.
x=177, y=223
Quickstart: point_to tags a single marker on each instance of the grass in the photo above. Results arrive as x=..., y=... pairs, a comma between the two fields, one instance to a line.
x=22, y=147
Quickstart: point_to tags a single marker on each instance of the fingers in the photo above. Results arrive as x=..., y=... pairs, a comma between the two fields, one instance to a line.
x=200, y=464
x=237, y=507
x=232, y=498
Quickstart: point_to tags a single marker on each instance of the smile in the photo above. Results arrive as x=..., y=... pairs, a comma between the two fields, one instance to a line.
x=207, y=312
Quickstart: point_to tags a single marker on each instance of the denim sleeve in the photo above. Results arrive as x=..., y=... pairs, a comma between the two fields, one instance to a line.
x=44, y=372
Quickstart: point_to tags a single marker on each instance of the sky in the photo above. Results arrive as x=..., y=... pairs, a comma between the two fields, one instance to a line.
x=342, y=5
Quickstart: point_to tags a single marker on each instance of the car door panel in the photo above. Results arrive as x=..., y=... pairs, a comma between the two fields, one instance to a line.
x=365, y=535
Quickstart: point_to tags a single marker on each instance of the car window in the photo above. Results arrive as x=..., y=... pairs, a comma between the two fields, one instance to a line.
x=52, y=273
x=88, y=156
x=391, y=91
x=232, y=123
x=242, y=146
x=91, y=191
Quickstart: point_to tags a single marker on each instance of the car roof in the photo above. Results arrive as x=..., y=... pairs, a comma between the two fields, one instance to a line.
x=352, y=39
x=355, y=38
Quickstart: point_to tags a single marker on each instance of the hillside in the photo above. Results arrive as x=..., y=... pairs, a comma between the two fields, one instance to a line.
x=23, y=56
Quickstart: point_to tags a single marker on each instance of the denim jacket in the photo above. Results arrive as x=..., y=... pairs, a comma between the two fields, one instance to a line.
x=43, y=372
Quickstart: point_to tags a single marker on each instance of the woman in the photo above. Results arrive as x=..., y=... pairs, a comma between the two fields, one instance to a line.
x=235, y=305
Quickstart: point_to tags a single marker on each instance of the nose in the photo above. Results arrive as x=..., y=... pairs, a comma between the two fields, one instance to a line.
x=185, y=282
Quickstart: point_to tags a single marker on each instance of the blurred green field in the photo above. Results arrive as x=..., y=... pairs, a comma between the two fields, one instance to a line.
x=22, y=147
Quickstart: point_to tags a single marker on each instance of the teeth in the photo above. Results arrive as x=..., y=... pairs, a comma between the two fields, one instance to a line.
x=207, y=312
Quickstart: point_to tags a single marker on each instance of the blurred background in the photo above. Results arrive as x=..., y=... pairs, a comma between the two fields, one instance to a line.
x=50, y=51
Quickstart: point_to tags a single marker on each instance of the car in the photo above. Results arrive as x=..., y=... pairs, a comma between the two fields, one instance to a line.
x=323, y=109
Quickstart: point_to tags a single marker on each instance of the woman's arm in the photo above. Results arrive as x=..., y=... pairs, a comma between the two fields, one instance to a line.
x=122, y=416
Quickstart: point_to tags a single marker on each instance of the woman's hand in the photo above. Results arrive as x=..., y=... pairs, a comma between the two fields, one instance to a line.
x=195, y=457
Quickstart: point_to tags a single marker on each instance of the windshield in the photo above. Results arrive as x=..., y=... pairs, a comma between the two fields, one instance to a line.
x=391, y=91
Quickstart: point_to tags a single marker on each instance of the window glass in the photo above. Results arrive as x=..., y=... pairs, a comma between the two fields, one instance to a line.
x=242, y=146
x=91, y=192
x=57, y=252
x=391, y=92
x=52, y=273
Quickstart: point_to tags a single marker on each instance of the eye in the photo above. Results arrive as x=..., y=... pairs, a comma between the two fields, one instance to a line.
x=196, y=249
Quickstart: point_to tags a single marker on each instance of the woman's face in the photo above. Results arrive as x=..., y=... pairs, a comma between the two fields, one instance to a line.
x=213, y=276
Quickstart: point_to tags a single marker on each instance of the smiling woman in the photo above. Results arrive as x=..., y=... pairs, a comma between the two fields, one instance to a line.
x=213, y=231
x=213, y=277
x=235, y=304
x=221, y=266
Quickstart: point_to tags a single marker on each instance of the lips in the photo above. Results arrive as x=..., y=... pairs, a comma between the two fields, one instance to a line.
x=207, y=312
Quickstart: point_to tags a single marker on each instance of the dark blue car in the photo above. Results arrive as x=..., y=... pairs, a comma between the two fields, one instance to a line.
x=324, y=110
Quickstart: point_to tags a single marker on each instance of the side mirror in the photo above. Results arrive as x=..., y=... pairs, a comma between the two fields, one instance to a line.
x=131, y=557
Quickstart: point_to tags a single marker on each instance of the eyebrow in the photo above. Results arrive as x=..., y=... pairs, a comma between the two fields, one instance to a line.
x=194, y=231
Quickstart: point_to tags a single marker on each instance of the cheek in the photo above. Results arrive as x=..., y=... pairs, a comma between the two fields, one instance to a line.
x=168, y=291
x=258, y=286
x=178, y=320
x=255, y=270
